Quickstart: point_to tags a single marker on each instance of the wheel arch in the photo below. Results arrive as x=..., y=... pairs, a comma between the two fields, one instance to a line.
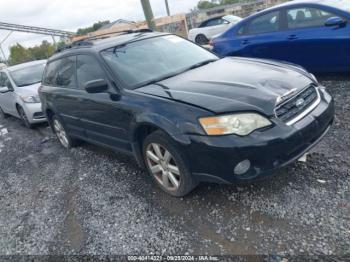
x=142, y=129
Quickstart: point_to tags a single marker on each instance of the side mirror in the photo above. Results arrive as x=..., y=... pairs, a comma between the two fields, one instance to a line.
x=96, y=86
x=4, y=89
x=335, y=21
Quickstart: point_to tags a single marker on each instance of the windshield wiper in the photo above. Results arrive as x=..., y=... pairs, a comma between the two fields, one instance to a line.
x=29, y=84
x=203, y=63
x=155, y=81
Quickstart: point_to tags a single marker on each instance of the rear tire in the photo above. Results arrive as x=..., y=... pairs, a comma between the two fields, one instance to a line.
x=201, y=39
x=60, y=131
x=24, y=117
x=166, y=164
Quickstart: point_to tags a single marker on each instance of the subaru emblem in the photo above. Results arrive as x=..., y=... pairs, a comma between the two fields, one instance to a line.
x=300, y=102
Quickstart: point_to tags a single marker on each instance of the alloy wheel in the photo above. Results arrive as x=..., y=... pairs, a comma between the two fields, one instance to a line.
x=163, y=166
x=61, y=133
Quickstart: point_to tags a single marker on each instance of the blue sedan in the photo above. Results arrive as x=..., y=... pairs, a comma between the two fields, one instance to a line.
x=314, y=34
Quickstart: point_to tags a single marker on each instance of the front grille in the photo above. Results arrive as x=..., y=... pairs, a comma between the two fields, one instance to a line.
x=296, y=105
x=38, y=115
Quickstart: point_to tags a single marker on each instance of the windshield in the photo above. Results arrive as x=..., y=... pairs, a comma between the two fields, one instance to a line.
x=340, y=4
x=28, y=76
x=232, y=18
x=151, y=60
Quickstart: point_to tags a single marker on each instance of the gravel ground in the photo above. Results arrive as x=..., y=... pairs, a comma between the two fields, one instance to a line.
x=93, y=201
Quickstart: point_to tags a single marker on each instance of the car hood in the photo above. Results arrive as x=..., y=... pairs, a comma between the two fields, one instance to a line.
x=29, y=90
x=234, y=84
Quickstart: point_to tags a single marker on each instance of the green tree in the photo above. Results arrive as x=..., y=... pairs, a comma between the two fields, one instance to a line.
x=206, y=5
x=93, y=28
x=19, y=54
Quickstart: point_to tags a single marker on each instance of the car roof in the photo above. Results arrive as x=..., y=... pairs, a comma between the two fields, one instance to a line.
x=294, y=3
x=24, y=65
x=97, y=45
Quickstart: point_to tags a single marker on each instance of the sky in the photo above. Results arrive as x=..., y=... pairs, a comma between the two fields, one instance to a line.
x=70, y=15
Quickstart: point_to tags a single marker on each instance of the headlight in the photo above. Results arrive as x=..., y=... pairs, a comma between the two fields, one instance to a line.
x=30, y=99
x=239, y=124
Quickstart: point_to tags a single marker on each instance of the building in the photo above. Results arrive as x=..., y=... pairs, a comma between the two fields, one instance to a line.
x=117, y=23
x=243, y=9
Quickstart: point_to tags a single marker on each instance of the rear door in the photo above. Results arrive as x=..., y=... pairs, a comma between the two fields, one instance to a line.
x=261, y=37
x=105, y=117
x=312, y=44
x=65, y=98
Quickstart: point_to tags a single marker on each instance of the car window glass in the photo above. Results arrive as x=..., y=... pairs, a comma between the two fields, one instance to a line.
x=61, y=73
x=2, y=79
x=51, y=73
x=307, y=17
x=161, y=57
x=215, y=22
x=66, y=72
x=88, y=69
x=264, y=24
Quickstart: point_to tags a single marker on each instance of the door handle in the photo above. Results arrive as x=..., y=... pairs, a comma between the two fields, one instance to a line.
x=245, y=42
x=292, y=37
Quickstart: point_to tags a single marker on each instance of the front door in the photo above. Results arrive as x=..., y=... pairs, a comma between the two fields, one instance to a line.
x=105, y=118
x=312, y=44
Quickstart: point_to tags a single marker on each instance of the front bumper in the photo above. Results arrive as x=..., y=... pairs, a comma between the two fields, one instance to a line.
x=34, y=112
x=213, y=159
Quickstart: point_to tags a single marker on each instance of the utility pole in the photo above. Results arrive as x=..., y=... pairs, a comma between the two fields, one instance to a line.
x=147, y=10
x=167, y=7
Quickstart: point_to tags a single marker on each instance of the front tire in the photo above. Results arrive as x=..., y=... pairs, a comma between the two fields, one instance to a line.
x=166, y=165
x=61, y=133
x=24, y=117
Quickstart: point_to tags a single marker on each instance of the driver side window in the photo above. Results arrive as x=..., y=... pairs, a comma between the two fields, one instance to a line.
x=307, y=17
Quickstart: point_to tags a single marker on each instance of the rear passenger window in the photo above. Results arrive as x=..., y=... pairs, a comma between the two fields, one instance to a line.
x=265, y=23
x=51, y=73
x=88, y=69
x=66, y=73
x=61, y=73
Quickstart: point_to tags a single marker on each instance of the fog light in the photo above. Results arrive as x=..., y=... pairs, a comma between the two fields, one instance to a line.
x=242, y=167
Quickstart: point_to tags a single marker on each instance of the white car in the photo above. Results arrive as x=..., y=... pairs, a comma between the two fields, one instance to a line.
x=212, y=27
x=19, y=92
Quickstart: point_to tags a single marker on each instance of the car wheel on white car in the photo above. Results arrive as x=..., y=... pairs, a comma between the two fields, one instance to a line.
x=201, y=39
x=24, y=117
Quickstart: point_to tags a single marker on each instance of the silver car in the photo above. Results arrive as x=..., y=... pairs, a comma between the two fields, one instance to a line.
x=19, y=92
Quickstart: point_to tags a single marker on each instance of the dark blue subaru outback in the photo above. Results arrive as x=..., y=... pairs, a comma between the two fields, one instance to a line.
x=184, y=114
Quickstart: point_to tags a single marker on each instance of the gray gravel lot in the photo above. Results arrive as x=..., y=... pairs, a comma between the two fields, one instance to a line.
x=93, y=201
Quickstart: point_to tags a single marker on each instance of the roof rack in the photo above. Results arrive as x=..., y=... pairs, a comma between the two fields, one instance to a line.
x=80, y=43
x=124, y=32
x=87, y=41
